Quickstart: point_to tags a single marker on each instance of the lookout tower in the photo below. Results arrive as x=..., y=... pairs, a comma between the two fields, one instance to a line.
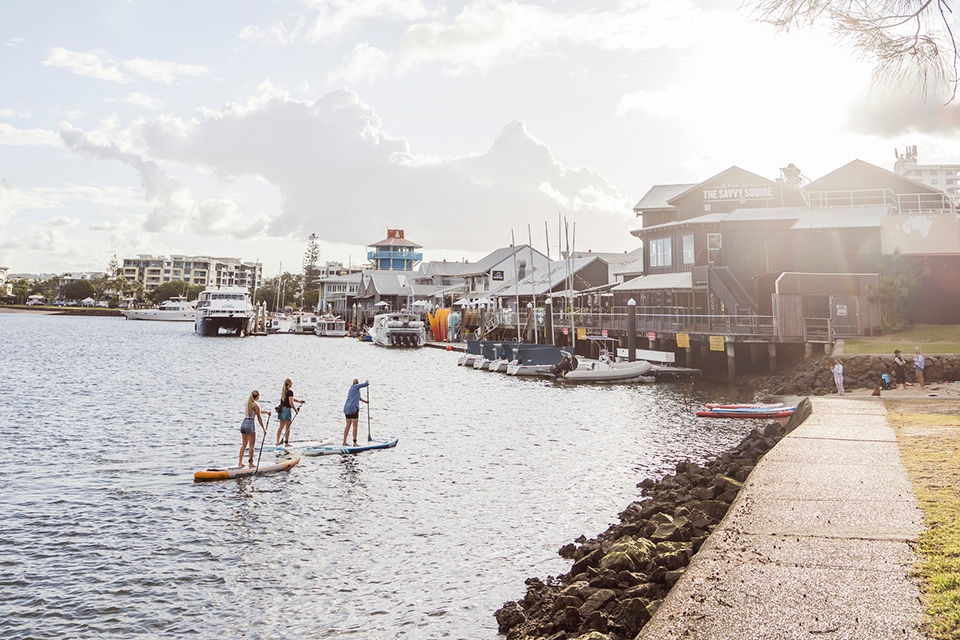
x=394, y=253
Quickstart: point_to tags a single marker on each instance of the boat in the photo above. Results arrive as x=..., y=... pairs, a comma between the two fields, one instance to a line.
x=749, y=405
x=535, y=360
x=331, y=326
x=303, y=323
x=332, y=449
x=176, y=309
x=503, y=355
x=283, y=464
x=470, y=355
x=748, y=412
x=225, y=308
x=604, y=368
x=278, y=324
x=398, y=329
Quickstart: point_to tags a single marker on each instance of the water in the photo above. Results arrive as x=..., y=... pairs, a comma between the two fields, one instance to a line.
x=106, y=535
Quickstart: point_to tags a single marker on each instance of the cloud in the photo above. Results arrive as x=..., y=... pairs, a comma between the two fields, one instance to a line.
x=11, y=136
x=364, y=64
x=143, y=101
x=99, y=64
x=341, y=174
x=336, y=17
x=277, y=34
x=893, y=111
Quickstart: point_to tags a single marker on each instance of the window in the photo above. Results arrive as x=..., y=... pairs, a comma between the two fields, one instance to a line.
x=714, y=245
x=688, y=254
x=660, y=252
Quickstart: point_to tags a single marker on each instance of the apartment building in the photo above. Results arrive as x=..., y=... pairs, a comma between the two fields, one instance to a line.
x=152, y=271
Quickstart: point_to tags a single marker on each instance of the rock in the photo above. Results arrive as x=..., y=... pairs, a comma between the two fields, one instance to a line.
x=617, y=561
x=568, y=619
x=596, y=602
x=509, y=616
x=634, y=614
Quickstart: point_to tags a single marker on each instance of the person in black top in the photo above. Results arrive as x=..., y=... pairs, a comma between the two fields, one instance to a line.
x=899, y=371
x=287, y=410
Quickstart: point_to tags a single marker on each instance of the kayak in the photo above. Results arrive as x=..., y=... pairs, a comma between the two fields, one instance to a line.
x=331, y=449
x=283, y=464
x=711, y=405
x=774, y=412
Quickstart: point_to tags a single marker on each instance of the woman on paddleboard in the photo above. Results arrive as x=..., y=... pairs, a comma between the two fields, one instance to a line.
x=351, y=409
x=248, y=430
x=286, y=411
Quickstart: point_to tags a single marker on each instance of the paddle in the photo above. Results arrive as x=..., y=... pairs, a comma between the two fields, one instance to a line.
x=286, y=436
x=257, y=470
x=369, y=438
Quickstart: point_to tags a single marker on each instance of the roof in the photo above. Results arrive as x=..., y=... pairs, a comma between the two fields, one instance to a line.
x=682, y=280
x=860, y=168
x=495, y=257
x=348, y=278
x=395, y=242
x=444, y=268
x=731, y=169
x=841, y=218
x=659, y=195
x=540, y=281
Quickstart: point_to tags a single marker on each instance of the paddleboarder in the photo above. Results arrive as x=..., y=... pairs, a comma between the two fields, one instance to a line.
x=248, y=430
x=285, y=411
x=351, y=409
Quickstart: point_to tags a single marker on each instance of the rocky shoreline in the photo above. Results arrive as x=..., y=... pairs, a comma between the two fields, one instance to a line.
x=618, y=579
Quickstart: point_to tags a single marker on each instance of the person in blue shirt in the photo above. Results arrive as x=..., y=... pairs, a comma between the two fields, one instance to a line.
x=351, y=409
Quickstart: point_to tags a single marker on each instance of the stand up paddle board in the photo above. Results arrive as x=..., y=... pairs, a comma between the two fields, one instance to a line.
x=283, y=464
x=332, y=449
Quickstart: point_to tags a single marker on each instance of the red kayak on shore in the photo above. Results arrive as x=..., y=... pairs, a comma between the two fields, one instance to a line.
x=748, y=412
x=757, y=405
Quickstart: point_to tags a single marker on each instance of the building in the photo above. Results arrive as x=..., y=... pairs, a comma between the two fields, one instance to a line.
x=776, y=261
x=394, y=253
x=337, y=293
x=152, y=271
x=945, y=177
x=5, y=287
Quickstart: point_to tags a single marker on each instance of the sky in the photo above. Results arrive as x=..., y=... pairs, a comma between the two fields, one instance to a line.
x=235, y=128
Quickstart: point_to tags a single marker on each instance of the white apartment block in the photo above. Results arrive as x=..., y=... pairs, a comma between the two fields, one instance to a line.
x=153, y=271
x=945, y=177
x=5, y=287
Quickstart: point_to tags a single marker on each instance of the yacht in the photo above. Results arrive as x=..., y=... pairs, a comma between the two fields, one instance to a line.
x=303, y=323
x=398, y=329
x=177, y=309
x=224, y=309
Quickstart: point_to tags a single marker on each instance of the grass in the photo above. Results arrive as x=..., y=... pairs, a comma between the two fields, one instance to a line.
x=929, y=438
x=931, y=338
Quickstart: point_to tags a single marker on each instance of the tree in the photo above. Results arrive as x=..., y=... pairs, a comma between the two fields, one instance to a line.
x=169, y=290
x=311, y=273
x=895, y=293
x=899, y=35
x=21, y=290
x=77, y=290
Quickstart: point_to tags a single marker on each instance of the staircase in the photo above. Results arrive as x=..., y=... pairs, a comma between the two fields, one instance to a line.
x=725, y=286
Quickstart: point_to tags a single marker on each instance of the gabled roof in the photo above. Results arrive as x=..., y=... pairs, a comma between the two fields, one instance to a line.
x=659, y=196
x=496, y=257
x=731, y=169
x=855, y=171
x=444, y=268
x=387, y=283
x=395, y=242
x=543, y=280
x=348, y=278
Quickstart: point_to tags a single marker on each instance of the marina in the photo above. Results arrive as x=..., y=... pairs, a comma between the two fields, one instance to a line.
x=423, y=540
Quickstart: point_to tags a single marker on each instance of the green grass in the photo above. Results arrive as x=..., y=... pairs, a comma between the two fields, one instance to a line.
x=929, y=439
x=931, y=338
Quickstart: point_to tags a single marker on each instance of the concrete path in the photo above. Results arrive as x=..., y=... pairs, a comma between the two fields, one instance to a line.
x=817, y=544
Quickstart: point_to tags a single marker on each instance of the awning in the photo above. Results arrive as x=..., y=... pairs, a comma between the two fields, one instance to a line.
x=682, y=280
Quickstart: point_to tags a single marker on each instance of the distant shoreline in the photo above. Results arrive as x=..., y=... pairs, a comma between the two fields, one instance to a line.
x=61, y=311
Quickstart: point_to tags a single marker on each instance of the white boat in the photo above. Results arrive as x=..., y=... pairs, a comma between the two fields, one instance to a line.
x=303, y=323
x=278, y=324
x=177, y=309
x=398, y=329
x=605, y=368
x=224, y=309
x=534, y=360
x=331, y=326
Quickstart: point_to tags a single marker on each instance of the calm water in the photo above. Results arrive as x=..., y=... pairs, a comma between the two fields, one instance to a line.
x=105, y=534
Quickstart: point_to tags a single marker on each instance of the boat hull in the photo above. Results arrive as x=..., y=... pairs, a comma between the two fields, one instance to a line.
x=610, y=372
x=209, y=326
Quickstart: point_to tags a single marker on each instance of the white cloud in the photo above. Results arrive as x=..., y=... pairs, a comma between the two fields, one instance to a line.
x=277, y=34
x=142, y=100
x=11, y=136
x=99, y=64
x=364, y=64
x=335, y=17
x=93, y=64
x=8, y=112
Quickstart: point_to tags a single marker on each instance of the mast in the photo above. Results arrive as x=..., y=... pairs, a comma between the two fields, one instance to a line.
x=533, y=286
x=546, y=234
x=516, y=274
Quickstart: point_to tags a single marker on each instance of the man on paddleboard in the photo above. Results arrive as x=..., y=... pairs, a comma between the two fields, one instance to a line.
x=351, y=409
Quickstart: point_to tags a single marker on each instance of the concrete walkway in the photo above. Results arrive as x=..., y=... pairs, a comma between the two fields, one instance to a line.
x=817, y=544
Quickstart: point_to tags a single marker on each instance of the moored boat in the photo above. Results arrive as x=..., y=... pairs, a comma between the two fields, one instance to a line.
x=224, y=309
x=604, y=368
x=331, y=326
x=176, y=309
x=303, y=323
x=748, y=412
x=398, y=329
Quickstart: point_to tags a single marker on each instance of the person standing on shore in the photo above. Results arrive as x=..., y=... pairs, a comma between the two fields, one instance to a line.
x=918, y=364
x=287, y=408
x=899, y=369
x=837, y=370
x=351, y=409
x=248, y=430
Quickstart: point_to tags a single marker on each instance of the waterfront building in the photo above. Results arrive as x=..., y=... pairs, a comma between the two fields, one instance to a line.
x=501, y=267
x=337, y=293
x=746, y=258
x=152, y=271
x=945, y=177
x=394, y=253
x=5, y=287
